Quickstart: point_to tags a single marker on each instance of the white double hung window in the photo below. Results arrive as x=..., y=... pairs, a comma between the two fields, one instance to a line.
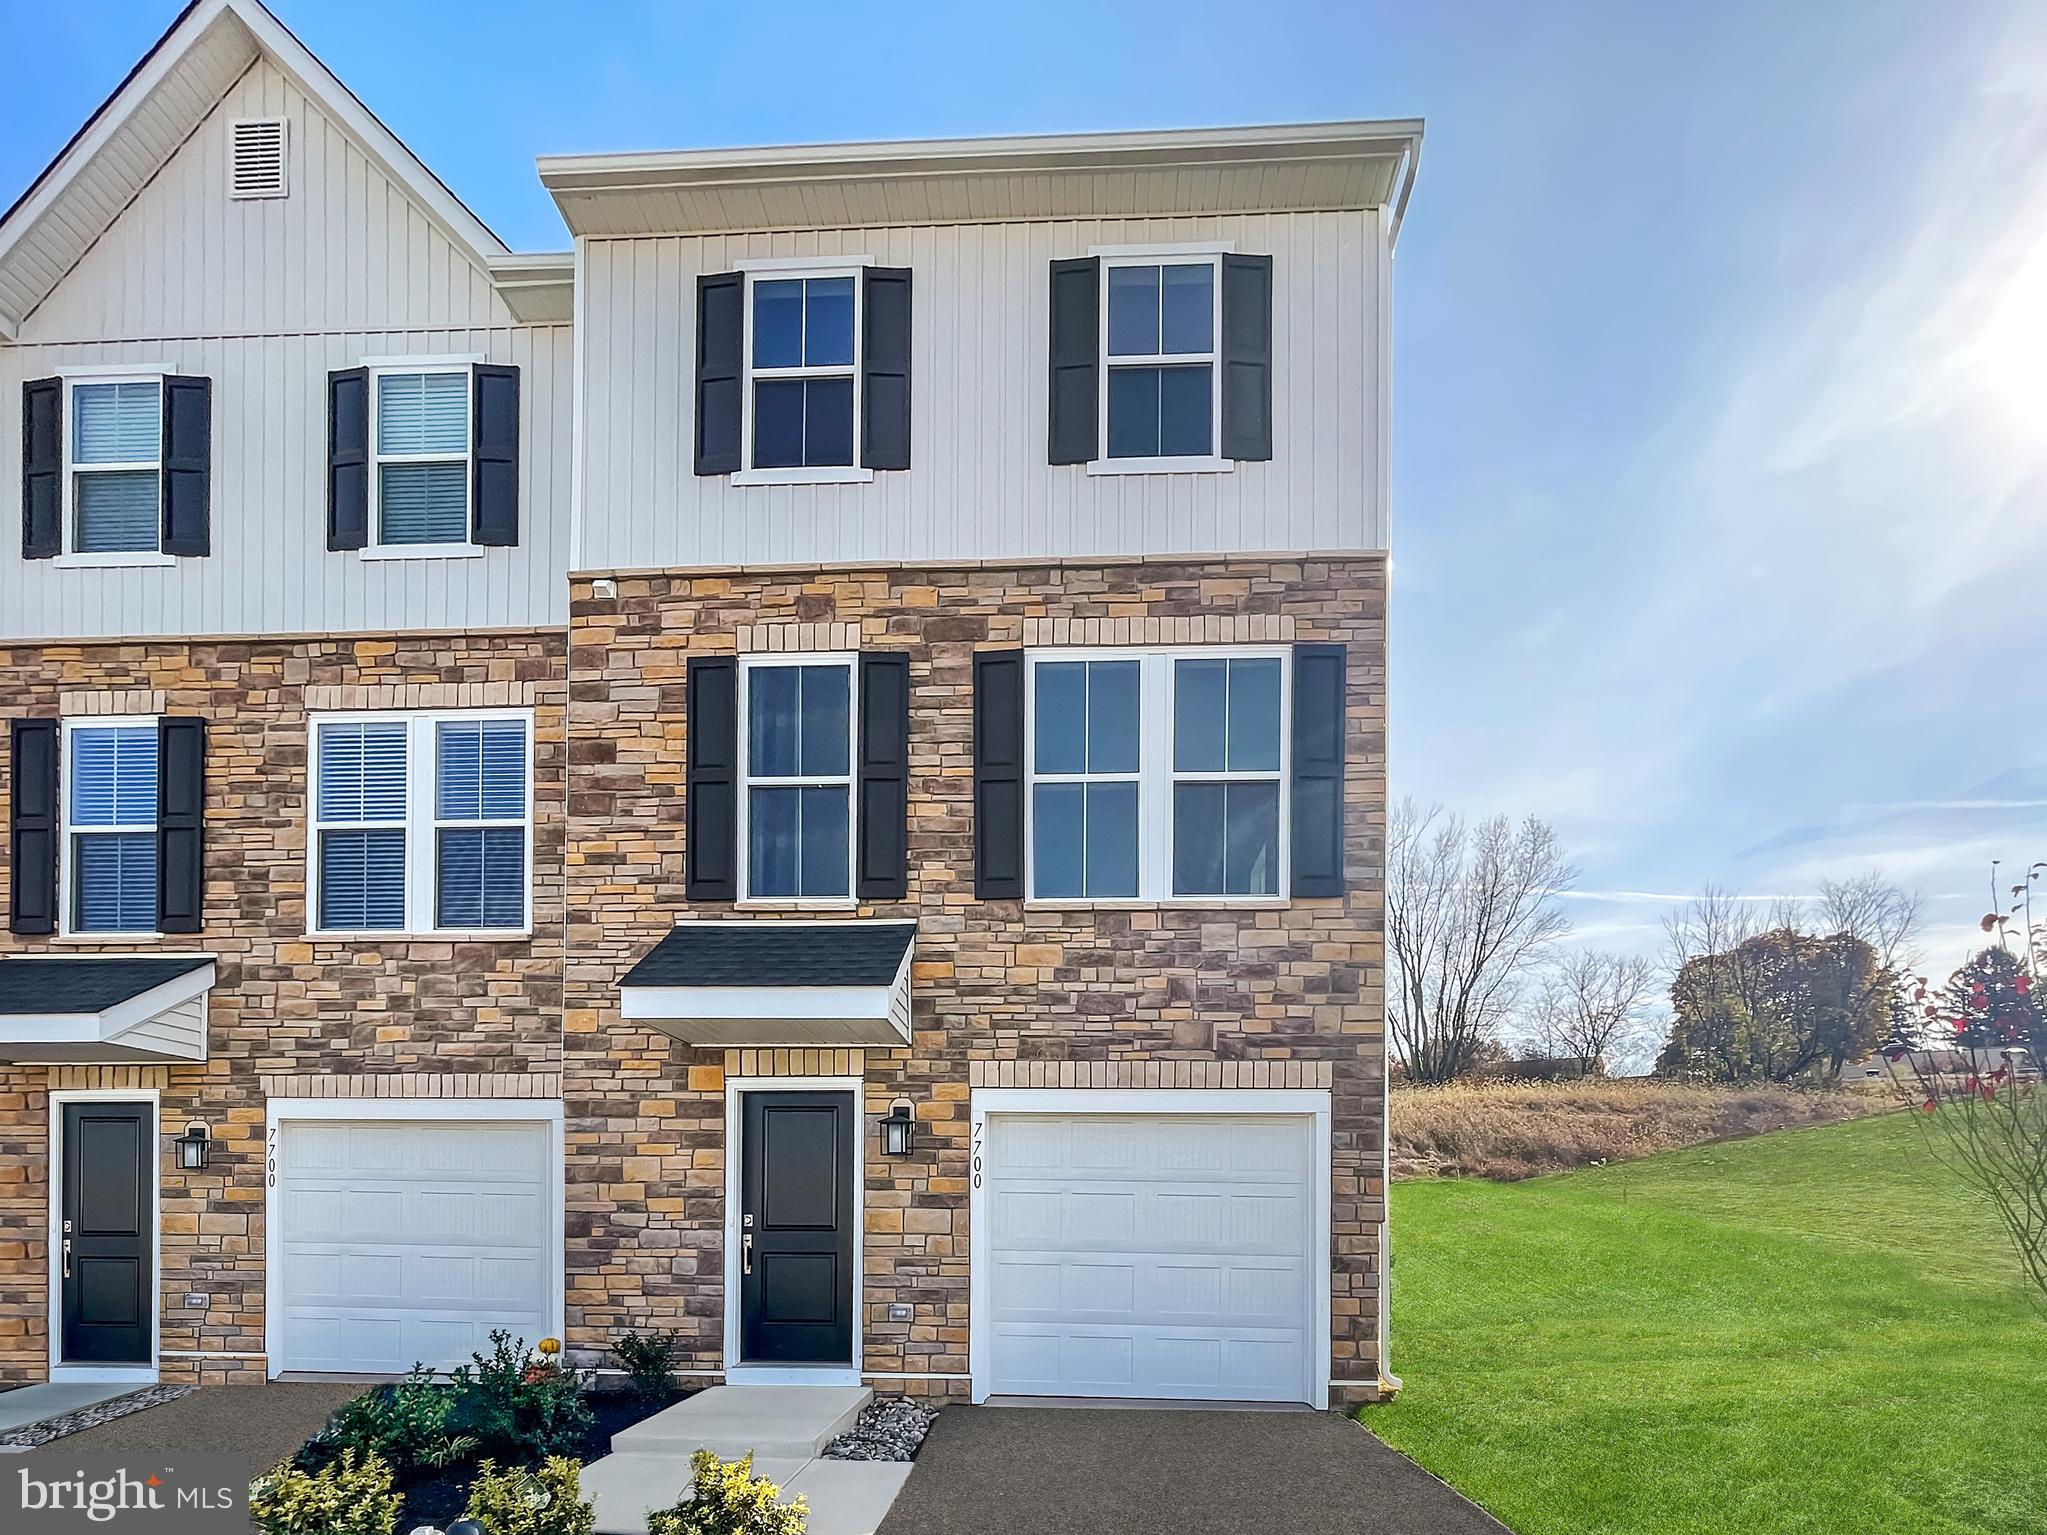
x=420, y=441
x=1161, y=316
x=115, y=447
x=422, y=823
x=109, y=801
x=796, y=783
x=803, y=361
x=1157, y=775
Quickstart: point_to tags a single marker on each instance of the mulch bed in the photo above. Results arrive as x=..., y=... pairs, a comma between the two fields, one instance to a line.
x=436, y=1497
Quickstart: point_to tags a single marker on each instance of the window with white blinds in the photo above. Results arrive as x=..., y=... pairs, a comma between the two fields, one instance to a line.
x=422, y=822
x=421, y=443
x=110, y=821
x=116, y=448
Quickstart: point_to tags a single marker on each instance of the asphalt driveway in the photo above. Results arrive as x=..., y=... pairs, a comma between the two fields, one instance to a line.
x=1111, y=1471
x=264, y=1423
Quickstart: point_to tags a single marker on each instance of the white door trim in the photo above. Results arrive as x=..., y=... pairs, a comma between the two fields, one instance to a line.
x=112, y=1374
x=543, y=1111
x=737, y=1373
x=1303, y=1102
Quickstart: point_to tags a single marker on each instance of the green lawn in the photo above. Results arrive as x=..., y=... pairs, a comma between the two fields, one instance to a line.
x=1808, y=1331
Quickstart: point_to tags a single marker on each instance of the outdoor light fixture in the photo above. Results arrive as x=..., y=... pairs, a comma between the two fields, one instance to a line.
x=192, y=1148
x=898, y=1131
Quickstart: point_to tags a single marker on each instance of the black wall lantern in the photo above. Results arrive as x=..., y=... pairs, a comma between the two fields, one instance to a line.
x=898, y=1131
x=192, y=1148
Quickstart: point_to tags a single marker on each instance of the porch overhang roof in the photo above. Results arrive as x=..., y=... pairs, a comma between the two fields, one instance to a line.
x=103, y=1008
x=770, y=982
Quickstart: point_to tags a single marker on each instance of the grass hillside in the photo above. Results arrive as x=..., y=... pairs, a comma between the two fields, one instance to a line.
x=1523, y=1129
x=1809, y=1333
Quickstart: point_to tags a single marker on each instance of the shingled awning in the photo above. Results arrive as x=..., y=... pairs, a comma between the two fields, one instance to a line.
x=801, y=982
x=105, y=1008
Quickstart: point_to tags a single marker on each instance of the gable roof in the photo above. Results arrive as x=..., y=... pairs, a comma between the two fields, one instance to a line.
x=151, y=114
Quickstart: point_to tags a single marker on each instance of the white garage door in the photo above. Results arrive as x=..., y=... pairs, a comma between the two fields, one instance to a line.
x=1151, y=1256
x=403, y=1241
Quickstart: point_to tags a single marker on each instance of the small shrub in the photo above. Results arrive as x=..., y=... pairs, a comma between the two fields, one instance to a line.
x=518, y=1411
x=405, y=1425
x=649, y=1360
x=729, y=1499
x=545, y=1501
x=352, y=1496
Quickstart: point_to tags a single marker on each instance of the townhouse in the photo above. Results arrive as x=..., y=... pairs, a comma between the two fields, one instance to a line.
x=810, y=771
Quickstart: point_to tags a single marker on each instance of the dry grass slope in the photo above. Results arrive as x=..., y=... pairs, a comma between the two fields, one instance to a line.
x=1509, y=1130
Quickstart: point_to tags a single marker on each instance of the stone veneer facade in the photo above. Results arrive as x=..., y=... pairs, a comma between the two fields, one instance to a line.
x=290, y=1016
x=1003, y=994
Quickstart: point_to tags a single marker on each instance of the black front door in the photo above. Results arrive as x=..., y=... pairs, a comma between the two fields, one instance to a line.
x=796, y=1229
x=105, y=1236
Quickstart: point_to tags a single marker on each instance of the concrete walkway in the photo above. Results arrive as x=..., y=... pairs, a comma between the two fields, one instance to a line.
x=782, y=1427
x=52, y=1399
x=1062, y=1471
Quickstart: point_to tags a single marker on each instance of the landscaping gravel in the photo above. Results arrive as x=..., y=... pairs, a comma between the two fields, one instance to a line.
x=890, y=1428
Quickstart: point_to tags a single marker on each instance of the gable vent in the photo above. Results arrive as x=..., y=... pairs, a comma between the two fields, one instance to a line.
x=258, y=157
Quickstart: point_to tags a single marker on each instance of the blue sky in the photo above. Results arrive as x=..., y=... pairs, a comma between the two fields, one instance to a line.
x=1720, y=378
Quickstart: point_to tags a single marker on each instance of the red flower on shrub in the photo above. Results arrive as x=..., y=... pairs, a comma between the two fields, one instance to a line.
x=1929, y=1106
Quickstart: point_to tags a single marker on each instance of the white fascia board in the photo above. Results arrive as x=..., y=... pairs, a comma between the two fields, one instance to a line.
x=382, y=145
x=824, y=1003
x=168, y=54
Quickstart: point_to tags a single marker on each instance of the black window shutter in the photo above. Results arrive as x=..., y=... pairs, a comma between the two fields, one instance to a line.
x=711, y=779
x=885, y=368
x=180, y=825
x=1247, y=357
x=1318, y=770
x=188, y=466
x=494, y=456
x=348, y=458
x=32, y=828
x=42, y=468
x=883, y=820
x=999, y=775
x=721, y=340
x=1076, y=344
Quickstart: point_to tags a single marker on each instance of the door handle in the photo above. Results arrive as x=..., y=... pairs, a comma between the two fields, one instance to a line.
x=745, y=1254
x=67, y=1257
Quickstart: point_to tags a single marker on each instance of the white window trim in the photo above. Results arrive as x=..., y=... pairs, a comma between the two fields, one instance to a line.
x=67, y=870
x=785, y=269
x=1156, y=775
x=380, y=368
x=1211, y=462
x=70, y=557
x=421, y=824
x=748, y=665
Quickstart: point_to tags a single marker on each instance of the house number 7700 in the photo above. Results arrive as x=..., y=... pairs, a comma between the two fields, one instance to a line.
x=270, y=1160
x=980, y=1128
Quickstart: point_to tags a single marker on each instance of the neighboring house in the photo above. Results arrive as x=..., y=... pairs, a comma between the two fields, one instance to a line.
x=836, y=806
x=1951, y=1065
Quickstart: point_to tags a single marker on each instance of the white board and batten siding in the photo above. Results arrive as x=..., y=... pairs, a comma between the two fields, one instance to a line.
x=979, y=486
x=265, y=297
x=1151, y=1256
x=399, y=1242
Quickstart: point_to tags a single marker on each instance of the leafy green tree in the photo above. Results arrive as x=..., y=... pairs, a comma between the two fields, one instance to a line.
x=1779, y=1005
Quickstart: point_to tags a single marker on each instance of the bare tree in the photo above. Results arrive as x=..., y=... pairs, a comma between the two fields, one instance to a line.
x=1590, y=1004
x=1469, y=909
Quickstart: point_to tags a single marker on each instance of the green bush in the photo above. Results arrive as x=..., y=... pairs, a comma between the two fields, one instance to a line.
x=518, y=1411
x=728, y=1499
x=649, y=1360
x=352, y=1496
x=545, y=1501
x=406, y=1425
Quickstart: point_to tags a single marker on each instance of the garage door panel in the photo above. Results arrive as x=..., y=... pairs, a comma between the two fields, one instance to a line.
x=1151, y=1256
x=408, y=1241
